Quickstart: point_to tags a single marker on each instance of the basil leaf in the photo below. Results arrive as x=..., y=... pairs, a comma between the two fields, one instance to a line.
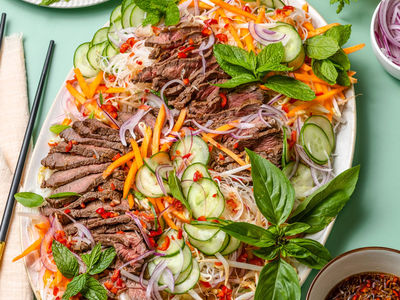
x=278, y=280
x=94, y=290
x=29, y=199
x=176, y=190
x=343, y=79
x=308, y=252
x=57, y=129
x=235, y=56
x=325, y=70
x=322, y=206
x=268, y=253
x=290, y=87
x=75, y=286
x=321, y=47
x=248, y=233
x=273, y=192
x=238, y=80
x=91, y=258
x=64, y=195
x=295, y=228
x=152, y=18
x=272, y=54
x=65, y=261
x=172, y=15
x=105, y=260
x=340, y=58
x=340, y=34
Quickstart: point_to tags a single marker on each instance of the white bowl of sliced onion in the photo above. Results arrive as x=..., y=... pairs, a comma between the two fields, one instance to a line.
x=385, y=35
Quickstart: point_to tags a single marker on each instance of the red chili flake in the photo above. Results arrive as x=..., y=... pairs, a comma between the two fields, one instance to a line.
x=210, y=22
x=210, y=147
x=186, y=81
x=165, y=244
x=124, y=47
x=55, y=291
x=293, y=139
x=131, y=41
x=206, y=284
x=215, y=221
x=242, y=257
x=100, y=210
x=319, y=94
x=178, y=152
x=225, y=293
x=256, y=261
x=214, y=196
x=67, y=211
x=100, y=189
x=288, y=7
x=224, y=100
x=246, y=9
x=218, y=263
x=72, y=81
x=156, y=30
x=226, y=26
x=218, y=178
x=115, y=276
x=191, y=41
x=186, y=156
x=119, y=283
x=68, y=147
x=113, y=204
x=114, y=290
x=139, y=62
x=52, y=144
x=108, y=285
x=111, y=77
x=112, y=186
x=83, y=205
x=206, y=31
x=232, y=203
x=132, y=54
x=157, y=232
x=285, y=107
x=116, y=157
x=188, y=49
x=221, y=157
x=197, y=176
x=236, y=145
x=182, y=55
x=201, y=218
x=222, y=37
x=180, y=234
x=120, y=232
x=173, y=238
x=152, y=242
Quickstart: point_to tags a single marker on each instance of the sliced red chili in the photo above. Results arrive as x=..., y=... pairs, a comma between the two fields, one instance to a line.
x=285, y=107
x=180, y=234
x=116, y=156
x=165, y=244
x=197, y=176
x=182, y=55
x=186, y=156
x=222, y=37
x=210, y=22
x=206, y=31
x=201, y=218
x=100, y=210
x=157, y=232
x=124, y=47
x=224, y=99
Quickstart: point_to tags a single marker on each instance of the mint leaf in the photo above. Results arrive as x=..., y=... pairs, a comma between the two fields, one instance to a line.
x=272, y=54
x=290, y=87
x=273, y=192
x=172, y=15
x=321, y=47
x=29, y=199
x=238, y=80
x=340, y=34
x=343, y=79
x=105, y=260
x=65, y=261
x=235, y=56
x=75, y=286
x=325, y=70
x=94, y=290
x=340, y=58
x=91, y=258
x=64, y=195
x=273, y=68
x=57, y=129
x=176, y=190
x=152, y=18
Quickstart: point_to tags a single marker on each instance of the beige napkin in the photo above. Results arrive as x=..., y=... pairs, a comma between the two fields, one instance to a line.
x=14, y=107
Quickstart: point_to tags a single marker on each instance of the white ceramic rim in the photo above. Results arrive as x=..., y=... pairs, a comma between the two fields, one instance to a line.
x=44, y=136
x=70, y=4
x=375, y=43
x=340, y=257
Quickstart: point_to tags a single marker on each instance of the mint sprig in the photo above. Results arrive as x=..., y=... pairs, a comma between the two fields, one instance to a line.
x=96, y=262
x=157, y=9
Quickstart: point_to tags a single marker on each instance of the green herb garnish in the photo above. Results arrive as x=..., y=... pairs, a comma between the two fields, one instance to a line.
x=48, y=2
x=274, y=196
x=96, y=262
x=57, y=129
x=63, y=195
x=29, y=199
x=341, y=4
x=246, y=67
x=176, y=190
x=157, y=9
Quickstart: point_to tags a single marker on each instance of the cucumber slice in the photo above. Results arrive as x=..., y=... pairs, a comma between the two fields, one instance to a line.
x=294, y=50
x=190, y=281
x=94, y=55
x=81, y=62
x=109, y=51
x=192, y=146
x=278, y=4
x=100, y=36
x=325, y=125
x=268, y=3
x=316, y=143
x=137, y=17
x=175, y=243
x=185, y=274
x=205, y=199
x=146, y=183
x=112, y=36
x=200, y=232
x=232, y=246
x=177, y=263
x=160, y=158
x=301, y=180
x=116, y=14
x=285, y=149
x=187, y=176
x=217, y=244
x=125, y=4
x=126, y=15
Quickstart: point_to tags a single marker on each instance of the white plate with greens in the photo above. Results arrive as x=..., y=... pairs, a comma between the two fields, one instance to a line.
x=66, y=3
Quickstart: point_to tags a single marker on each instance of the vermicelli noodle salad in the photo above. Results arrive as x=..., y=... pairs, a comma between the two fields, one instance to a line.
x=194, y=155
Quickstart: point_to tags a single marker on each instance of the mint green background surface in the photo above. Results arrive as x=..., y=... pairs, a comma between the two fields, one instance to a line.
x=371, y=218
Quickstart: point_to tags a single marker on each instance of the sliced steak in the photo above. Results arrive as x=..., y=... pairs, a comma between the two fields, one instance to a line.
x=81, y=185
x=59, y=178
x=73, y=202
x=135, y=290
x=113, y=184
x=85, y=150
x=92, y=128
x=66, y=161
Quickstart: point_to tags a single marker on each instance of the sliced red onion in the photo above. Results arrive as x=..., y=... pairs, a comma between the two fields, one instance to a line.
x=167, y=85
x=153, y=281
x=142, y=230
x=205, y=46
x=136, y=259
x=86, y=232
x=142, y=275
x=196, y=7
x=208, y=130
x=275, y=99
x=203, y=62
x=131, y=124
x=133, y=277
x=274, y=110
x=263, y=35
x=240, y=137
x=47, y=239
x=169, y=279
x=158, y=176
x=303, y=155
x=244, y=125
x=106, y=113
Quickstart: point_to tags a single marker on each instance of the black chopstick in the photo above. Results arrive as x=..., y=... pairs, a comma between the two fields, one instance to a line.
x=8, y=211
x=2, y=27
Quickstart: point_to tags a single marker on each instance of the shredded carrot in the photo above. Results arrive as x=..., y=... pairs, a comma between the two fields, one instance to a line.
x=155, y=146
x=305, y=7
x=329, y=94
x=352, y=73
x=201, y=4
x=34, y=246
x=354, y=48
x=321, y=30
x=117, y=163
x=300, y=107
x=248, y=39
x=146, y=141
x=178, y=125
x=309, y=78
x=82, y=82
x=224, y=149
x=261, y=15
x=46, y=276
x=130, y=178
x=309, y=26
x=115, y=90
x=96, y=82
x=180, y=216
x=42, y=227
x=66, y=121
x=234, y=9
x=152, y=201
x=131, y=201
x=74, y=93
x=231, y=28
x=136, y=150
x=57, y=279
x=167, y=219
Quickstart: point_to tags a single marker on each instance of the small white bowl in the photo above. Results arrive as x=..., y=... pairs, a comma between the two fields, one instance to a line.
x=389, y=66
x=362, y=260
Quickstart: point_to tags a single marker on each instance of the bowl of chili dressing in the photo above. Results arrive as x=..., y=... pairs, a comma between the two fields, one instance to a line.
x=364, y=273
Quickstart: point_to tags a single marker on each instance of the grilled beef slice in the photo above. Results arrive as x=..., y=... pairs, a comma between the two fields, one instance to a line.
x=92, y=128
x=84, y=150
x=66, y=161
x=73, y=202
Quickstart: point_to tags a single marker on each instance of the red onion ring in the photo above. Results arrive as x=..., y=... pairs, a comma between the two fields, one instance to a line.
x=131, y=124
x=263, y=35
x=136, y=259
x=153, y=281
x=142, y=231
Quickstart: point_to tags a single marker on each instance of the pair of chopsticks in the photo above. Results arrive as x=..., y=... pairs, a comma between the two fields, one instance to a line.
x=8, y=211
